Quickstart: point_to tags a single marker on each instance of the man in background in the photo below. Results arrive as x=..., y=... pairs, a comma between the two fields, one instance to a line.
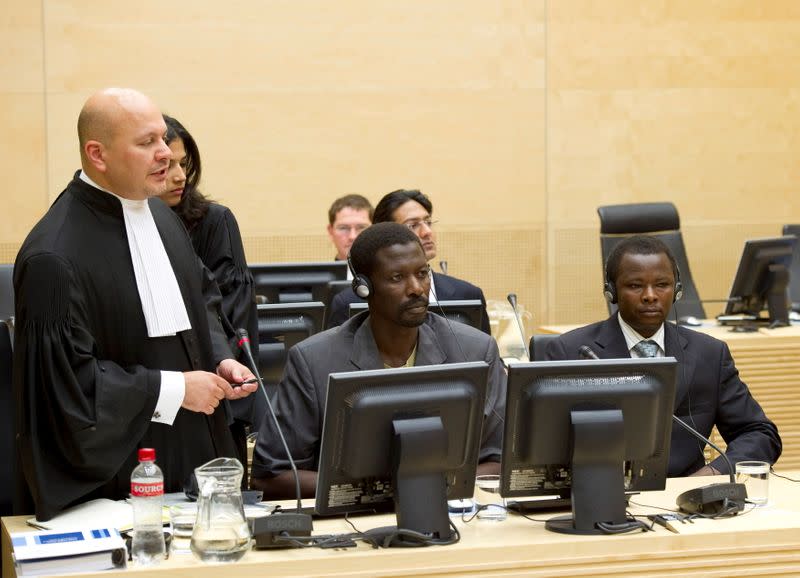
x=642, y=278
x=347, y=217
x=414, y=210
x=118, y=343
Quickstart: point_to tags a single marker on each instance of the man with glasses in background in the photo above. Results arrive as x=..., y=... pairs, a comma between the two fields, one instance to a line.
x=347, y=217
x=414, y=210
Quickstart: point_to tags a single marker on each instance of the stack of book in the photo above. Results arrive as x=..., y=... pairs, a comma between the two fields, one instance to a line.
x=62, y=551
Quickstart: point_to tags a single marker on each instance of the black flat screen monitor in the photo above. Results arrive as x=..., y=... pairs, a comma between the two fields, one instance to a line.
x=281, y=326
x=590, y=430
x=467, y=311
x=409, y=436
x=334, y=288
x=762, y=280
x=296, y=282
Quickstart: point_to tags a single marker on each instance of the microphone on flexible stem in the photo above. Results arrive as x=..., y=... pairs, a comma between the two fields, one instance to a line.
x=721, y=499
x=299, y=523
x=458, y=343
x=443, y=266
x=512, y=299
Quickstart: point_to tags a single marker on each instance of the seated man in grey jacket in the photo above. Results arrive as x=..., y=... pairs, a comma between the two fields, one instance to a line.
x=397, y=331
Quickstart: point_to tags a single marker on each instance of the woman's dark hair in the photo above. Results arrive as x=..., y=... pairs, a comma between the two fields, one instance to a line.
x=193, y=205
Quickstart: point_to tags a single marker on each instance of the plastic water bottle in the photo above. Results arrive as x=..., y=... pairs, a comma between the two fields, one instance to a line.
x=147, y=495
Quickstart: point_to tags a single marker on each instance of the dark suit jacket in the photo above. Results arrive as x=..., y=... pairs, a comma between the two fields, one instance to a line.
x=447, y=289
x=709, y=392
x=300, y=399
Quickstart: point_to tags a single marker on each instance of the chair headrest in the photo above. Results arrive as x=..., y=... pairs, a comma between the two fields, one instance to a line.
x=791, y=230
x=636, y=218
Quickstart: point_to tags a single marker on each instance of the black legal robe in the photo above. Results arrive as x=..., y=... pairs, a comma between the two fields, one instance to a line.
x=218, y=243
x=86, y=375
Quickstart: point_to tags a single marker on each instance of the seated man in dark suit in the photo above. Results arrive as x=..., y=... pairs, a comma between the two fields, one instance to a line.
x=414, y=210
x=397, y=331
x=642, y=277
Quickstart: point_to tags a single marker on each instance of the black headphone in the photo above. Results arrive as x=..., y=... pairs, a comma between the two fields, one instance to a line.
x=610, y=289
x=361, y=283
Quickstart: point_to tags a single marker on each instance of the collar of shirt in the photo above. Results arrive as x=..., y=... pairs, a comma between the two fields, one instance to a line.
x=432, y=293
x=632, y=337
x=86, y=179
x=412, y=359
x=162, y=303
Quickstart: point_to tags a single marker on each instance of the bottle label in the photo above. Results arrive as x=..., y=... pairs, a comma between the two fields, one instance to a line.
x=148, y=489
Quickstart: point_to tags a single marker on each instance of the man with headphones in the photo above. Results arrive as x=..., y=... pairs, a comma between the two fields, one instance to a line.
x=391, y=272
x=643, y=280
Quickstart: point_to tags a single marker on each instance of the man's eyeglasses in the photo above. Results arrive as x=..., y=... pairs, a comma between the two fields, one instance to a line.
x=345, y=229
x=417, y=225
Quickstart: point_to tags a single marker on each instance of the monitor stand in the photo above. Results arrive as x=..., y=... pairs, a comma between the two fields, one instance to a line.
x=778, y=295
x=598, y=494
x=419, y=449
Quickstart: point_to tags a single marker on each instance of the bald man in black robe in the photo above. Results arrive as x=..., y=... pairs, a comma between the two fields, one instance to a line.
x=106, y=338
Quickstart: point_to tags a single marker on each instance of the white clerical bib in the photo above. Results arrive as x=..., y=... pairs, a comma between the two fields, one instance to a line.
x=162, y=302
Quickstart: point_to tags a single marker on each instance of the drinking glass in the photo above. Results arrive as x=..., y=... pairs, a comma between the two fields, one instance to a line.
x=755, y=477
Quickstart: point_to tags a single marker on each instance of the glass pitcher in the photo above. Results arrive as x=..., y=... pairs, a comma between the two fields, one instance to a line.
x=221, y=533
x=506, y=331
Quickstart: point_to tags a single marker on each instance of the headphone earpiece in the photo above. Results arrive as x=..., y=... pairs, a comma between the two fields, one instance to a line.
x=678, y=290
x=361, y=285
x=609, y=292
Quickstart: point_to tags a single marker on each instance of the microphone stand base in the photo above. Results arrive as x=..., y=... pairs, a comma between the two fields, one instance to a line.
x=723, y=499
x=277, y=530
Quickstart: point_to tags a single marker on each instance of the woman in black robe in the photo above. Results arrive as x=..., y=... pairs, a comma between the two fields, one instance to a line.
x=217, y=241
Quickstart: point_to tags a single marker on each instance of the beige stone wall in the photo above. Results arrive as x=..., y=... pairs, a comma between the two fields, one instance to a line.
x=517, y=117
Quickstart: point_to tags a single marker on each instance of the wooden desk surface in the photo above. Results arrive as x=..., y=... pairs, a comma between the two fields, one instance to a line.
x=761, y=542
x=769, y=363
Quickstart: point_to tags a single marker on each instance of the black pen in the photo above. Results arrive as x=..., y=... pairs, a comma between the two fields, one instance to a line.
x=246, y=382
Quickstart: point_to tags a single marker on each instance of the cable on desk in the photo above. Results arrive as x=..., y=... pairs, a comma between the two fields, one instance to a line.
x=403, y=537
x=776, y=474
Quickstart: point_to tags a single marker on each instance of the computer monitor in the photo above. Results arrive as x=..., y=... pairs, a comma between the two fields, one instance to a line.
x=467, y=311
x=408, y=435
x=334, y=288
x=296, y=282
x=762, y=280
x=590, y=429
x=281, y=326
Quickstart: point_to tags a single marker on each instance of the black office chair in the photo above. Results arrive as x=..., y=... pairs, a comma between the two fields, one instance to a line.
x=6, y=291
x=538, y=345
x=794, y=271
x=660, y=220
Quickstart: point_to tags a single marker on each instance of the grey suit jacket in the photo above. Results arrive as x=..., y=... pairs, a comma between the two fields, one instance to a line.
x=300, y=399
x=709, y=392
